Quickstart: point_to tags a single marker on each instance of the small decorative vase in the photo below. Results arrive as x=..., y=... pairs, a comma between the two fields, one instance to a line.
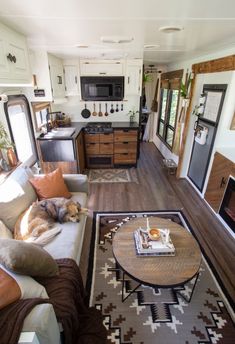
x=11, y=156
x=132, y=118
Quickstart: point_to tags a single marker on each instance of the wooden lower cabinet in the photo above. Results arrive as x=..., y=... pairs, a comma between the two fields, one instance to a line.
x=222, y=168
x=110, y=149
x=125, y=147
x=99, y=150
x=125, y=158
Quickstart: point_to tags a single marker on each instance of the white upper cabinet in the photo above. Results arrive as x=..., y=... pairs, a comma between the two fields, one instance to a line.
x=72, y=78
x=14, y=59
x=133, y=79
x=57, y=77
x=102, y=67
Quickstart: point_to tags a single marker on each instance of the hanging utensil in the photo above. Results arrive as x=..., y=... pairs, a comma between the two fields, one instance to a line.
x=122, y=107
x=85, y=112
x=100, y=112
x=117, y=108
x=112, y=109
x=94, y=113
x=106, y=110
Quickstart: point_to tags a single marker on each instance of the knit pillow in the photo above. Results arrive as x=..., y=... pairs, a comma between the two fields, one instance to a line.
x=50, y=185
x=26, y=259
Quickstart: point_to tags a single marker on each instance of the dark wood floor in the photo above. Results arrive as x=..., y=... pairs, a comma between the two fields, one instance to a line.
x=159, y=191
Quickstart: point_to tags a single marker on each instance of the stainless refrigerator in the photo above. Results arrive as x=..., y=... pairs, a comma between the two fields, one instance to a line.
x=204, y=133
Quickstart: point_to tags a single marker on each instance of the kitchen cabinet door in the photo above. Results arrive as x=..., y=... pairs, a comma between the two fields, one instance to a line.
x=221, y=169
x=72, y=82
x=57, y=77
x=94, y=68
x=14, y=59
x=133, y=81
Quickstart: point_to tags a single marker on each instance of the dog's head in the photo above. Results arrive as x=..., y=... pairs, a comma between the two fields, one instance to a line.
x=69, y=212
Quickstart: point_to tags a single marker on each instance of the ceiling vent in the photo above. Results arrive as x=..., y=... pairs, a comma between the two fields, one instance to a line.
x=116, y=39
x=171, y=29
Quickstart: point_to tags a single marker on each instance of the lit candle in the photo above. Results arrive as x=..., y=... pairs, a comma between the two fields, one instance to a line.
x=148, y=227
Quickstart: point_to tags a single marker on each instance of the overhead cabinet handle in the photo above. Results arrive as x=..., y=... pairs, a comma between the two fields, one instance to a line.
x=12, y=58
x=59, y=78
x=102, y=73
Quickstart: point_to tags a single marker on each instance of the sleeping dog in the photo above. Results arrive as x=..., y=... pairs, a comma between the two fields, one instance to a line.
x=42, y=215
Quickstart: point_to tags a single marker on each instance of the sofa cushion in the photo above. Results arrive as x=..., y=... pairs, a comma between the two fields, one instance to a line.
x=26, y=258
x=50, y=185
x=16, y=195
x=5, y=232
x=68, y=243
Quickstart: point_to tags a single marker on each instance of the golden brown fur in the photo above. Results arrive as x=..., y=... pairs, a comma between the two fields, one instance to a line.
x=42, y=215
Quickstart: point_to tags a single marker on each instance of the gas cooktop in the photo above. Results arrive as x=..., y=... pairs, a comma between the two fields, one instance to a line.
x=98, y=127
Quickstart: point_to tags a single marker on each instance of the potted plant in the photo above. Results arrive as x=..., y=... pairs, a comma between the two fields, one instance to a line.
x=8, y=146
x=132, y=114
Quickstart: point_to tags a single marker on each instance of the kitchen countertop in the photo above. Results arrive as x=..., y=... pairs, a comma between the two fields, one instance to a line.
x=80, y=125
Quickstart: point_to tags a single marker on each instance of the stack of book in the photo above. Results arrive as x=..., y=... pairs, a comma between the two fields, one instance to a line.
x=146, y=247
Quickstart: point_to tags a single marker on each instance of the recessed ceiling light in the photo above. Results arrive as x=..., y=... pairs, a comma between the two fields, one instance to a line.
x=116, y=39
x=151, y=46
x=171, y=29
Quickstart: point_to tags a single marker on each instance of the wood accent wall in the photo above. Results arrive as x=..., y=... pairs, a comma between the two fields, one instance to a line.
x=176, y=74
x=222, y=64
x=217, y=65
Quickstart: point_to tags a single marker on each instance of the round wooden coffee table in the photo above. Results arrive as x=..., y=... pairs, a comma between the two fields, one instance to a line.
x=158, y=271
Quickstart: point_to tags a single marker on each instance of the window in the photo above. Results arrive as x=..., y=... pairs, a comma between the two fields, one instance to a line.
x=40, y=111
x=169, y=99
x=21, y=129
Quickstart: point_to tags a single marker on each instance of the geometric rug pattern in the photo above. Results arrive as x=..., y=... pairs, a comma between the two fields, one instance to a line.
x=152, y=315
x=112, y=175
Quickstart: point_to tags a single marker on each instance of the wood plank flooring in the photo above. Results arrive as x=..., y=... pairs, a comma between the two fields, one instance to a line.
x=159, y=191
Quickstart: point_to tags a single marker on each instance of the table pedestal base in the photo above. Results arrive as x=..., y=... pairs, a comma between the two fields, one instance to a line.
x=125, y=295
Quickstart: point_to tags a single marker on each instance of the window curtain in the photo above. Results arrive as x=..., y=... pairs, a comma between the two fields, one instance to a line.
x=150, y=88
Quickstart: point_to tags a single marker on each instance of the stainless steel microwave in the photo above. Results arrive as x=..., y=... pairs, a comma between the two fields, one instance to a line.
x=102, y=88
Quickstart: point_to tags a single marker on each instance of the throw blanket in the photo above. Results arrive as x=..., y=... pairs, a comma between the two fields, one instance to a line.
x=81, y=325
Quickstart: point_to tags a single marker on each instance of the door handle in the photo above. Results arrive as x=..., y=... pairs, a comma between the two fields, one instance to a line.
x=223, y=182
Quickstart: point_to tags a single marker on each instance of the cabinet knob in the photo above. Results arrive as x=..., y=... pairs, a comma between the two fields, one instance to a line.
x=9, y=57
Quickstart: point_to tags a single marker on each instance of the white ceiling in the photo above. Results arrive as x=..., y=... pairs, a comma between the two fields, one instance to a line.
x=59, y=25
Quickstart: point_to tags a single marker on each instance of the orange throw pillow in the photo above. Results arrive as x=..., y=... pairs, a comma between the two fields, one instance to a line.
x=51, y=185
x=9, y=289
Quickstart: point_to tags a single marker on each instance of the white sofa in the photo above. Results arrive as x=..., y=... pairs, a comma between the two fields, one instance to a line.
x=16, y=194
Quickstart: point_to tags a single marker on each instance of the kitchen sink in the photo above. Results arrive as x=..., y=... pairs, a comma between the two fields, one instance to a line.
x=59, y=132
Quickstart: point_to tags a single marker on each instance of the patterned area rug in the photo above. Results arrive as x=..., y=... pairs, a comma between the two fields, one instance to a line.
x=152, y=315
x=113, y=176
